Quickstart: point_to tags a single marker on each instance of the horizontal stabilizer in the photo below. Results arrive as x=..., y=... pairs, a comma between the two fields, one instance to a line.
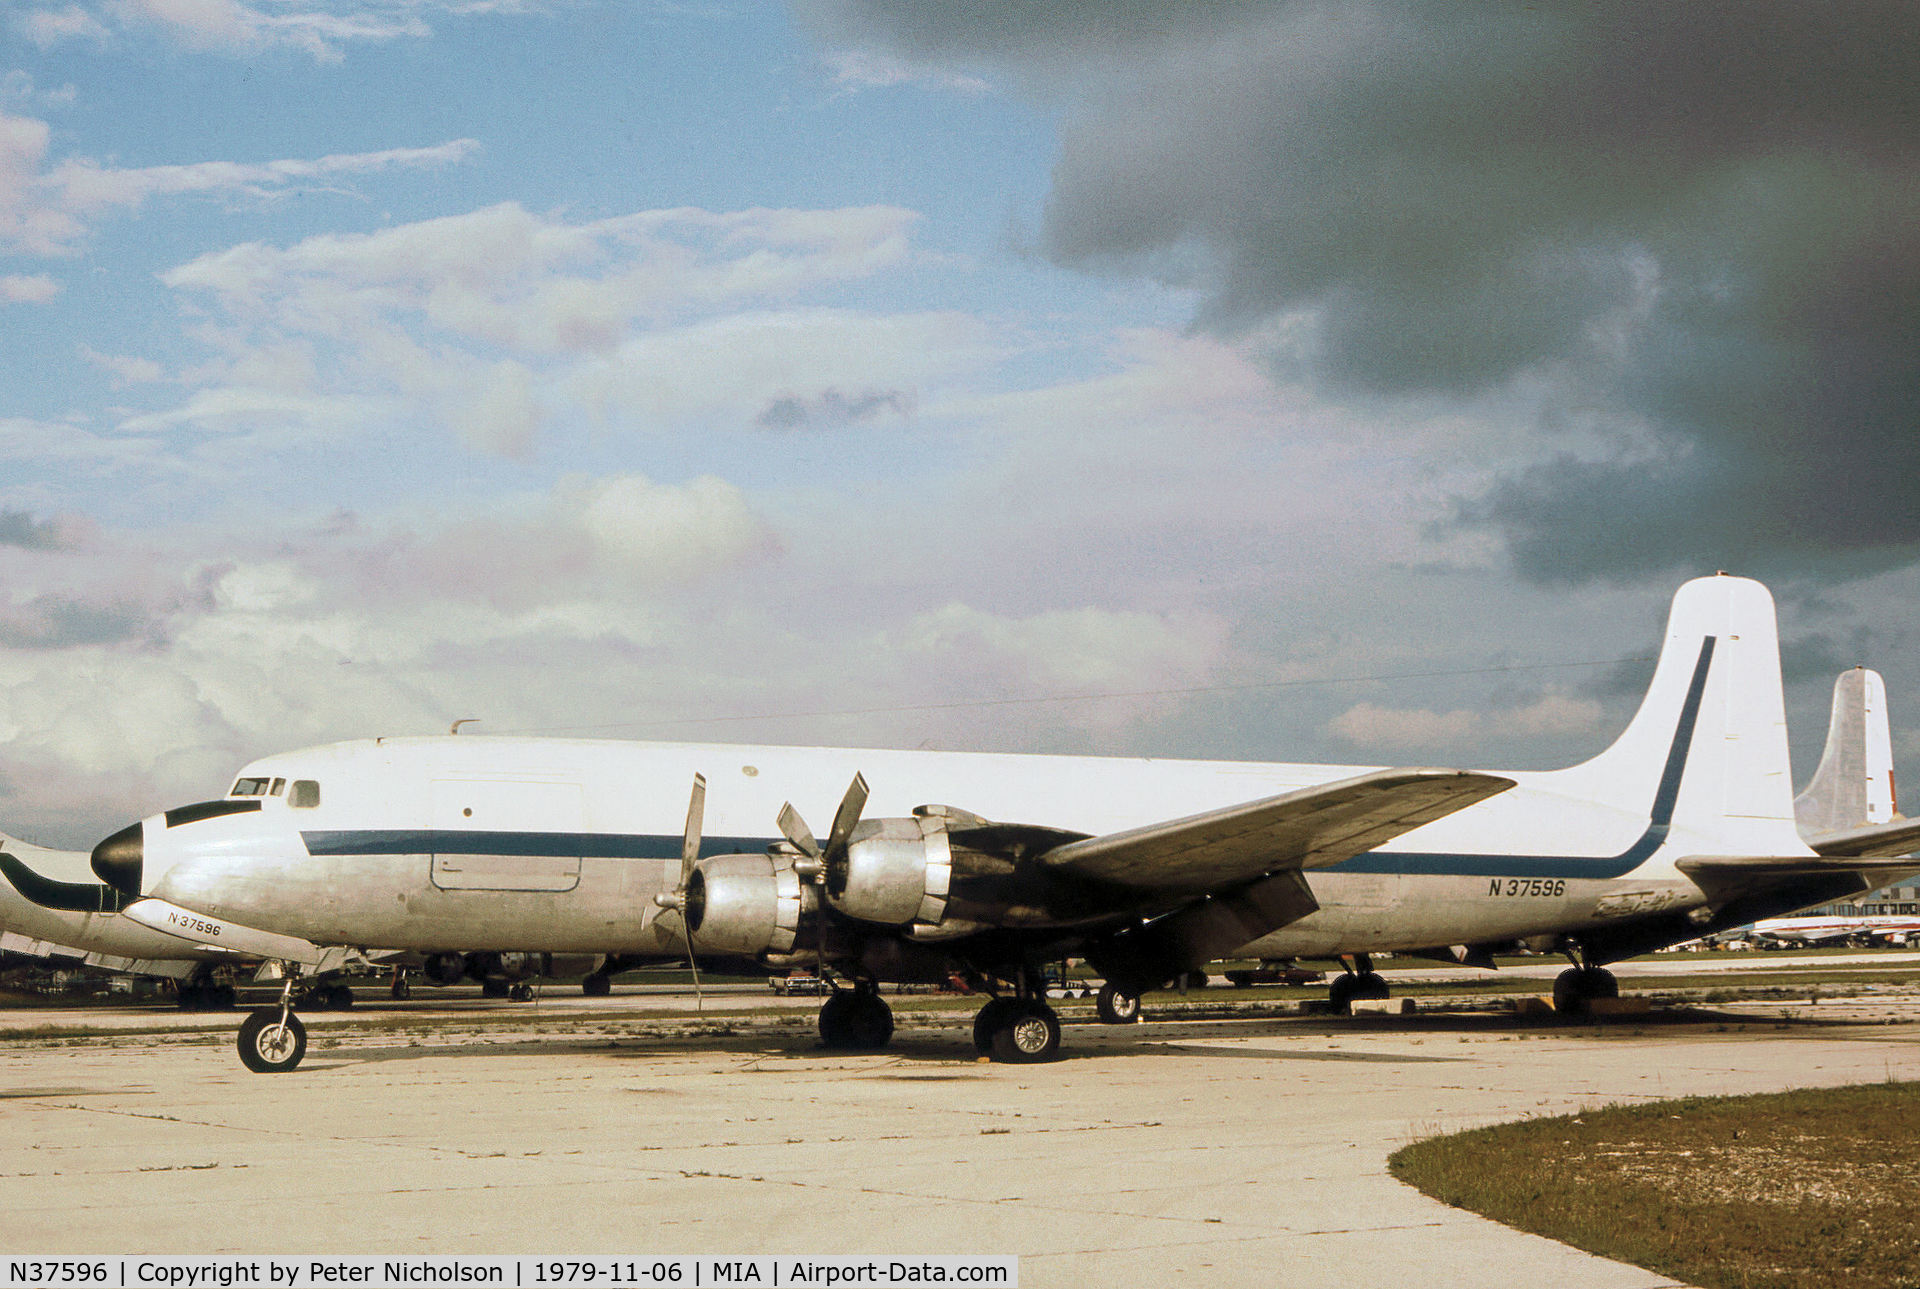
x=1901, y=837
x=1797, y=865
x=1311, y=828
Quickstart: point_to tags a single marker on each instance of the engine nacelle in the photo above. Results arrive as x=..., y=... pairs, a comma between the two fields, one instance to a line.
x=744, y=904
x=896, y=871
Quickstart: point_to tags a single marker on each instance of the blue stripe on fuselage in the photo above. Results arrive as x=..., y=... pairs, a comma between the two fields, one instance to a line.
x=462, y=841
x=586, y=845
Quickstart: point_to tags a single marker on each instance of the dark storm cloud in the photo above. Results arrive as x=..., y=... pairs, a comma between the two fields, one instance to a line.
x=1697, y=227
x=18, y=528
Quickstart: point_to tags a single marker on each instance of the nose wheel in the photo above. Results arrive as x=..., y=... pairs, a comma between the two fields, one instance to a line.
x=272, y=1040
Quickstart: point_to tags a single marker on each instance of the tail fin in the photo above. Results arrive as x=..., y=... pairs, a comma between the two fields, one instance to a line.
x=1707, y=750
x=1853, y=785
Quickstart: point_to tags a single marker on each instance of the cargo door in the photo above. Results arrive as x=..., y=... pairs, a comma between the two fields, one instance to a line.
x=506, y=834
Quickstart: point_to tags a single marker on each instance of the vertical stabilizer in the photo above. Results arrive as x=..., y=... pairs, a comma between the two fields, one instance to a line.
x=1707, y=751
x=1853, y=785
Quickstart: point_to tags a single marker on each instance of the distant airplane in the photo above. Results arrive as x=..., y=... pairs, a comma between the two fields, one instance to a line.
x=1149, y=869
x=1853, y=787
x=46, y=913
x=52, y=908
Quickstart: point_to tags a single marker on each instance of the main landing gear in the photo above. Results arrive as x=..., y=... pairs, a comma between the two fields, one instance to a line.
x=1021, y=1029
x=1358, y=980
x=1575, y=989
x=272, y=1039
x=202, y=993
x=856, y=1020
x=1018, y=1031
x=1116, y=1005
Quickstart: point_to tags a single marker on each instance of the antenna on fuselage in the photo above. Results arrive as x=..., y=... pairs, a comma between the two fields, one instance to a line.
x=464, y=720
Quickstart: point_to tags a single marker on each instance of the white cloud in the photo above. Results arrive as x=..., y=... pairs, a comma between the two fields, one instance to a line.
x=49, y=27
x=323, y=31
x=46, y=211
x=496, y=321
x=1375, y=728
x=866, y=69
x=17, y=288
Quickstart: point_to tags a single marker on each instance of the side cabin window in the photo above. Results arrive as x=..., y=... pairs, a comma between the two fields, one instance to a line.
x=249, y=788
x=304, y=794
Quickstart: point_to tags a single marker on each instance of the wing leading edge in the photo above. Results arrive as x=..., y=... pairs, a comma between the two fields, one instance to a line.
x=1309, y=828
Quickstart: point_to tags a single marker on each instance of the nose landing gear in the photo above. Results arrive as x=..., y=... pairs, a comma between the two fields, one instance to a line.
x=272, y=1039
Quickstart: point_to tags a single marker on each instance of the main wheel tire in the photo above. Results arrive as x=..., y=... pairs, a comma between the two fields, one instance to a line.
x=596, y=986
x=990, y=1019
x=1371, y=984
x=1117, y=1006
x=521, y=993
x=1576, y=987
x=836, y=1021
x=270, y=1046
x=1030, y=1036
x=1341, y=992
x=869, y=1023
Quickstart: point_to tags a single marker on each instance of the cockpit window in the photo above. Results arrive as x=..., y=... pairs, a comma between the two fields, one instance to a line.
x=279, y=786
x=304, y=794
x=249, y=788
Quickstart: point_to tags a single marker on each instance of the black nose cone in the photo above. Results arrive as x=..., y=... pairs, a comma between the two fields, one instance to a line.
x=117, y=860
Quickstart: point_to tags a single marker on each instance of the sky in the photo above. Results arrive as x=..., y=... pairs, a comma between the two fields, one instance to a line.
x=1284, y=381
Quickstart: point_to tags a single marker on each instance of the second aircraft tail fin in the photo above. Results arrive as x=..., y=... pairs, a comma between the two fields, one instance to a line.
x=1853, y=785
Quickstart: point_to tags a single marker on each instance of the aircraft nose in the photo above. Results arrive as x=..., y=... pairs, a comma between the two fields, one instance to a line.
x=117, y=860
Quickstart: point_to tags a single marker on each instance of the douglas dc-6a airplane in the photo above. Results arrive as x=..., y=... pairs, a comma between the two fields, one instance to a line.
x=1147, y=868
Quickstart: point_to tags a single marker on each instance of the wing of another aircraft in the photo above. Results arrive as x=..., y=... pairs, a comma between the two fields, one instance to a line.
x=1311, y=828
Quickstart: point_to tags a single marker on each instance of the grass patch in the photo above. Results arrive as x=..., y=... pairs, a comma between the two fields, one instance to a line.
x=1813, y=1187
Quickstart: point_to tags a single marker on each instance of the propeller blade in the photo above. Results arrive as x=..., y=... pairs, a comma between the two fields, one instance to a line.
x=690, y=839
x=846, y=817
x=795, y=830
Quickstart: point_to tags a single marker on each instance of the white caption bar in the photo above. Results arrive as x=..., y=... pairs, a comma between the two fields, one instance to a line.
x=280, y=1271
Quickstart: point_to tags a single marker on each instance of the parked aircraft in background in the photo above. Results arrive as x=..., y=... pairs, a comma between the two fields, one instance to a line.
x=51, y=906
x=1853, y=788
x=1149, y=869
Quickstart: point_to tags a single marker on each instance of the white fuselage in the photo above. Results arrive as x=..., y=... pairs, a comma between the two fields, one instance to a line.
x=561, y=845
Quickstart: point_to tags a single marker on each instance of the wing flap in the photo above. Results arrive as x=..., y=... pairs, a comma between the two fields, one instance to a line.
x=1309, y=828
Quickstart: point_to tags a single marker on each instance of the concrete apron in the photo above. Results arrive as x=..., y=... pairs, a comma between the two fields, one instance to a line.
x=1216, y=1153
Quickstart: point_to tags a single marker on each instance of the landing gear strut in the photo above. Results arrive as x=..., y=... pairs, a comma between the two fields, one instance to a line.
x=1359, y=980
x=272, y=1039
x=856, y=1019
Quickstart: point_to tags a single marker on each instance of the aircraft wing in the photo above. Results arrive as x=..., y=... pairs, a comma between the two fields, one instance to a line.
x=1311, y=828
